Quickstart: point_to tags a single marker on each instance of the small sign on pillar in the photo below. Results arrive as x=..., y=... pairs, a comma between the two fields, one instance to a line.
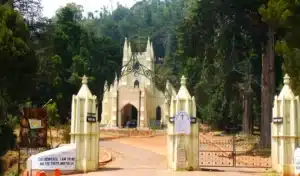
x=277, y=120
x=182, y=123
x=91, y=117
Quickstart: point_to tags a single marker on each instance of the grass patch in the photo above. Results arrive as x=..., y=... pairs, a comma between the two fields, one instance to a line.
x=10, y=162
x=271, y=173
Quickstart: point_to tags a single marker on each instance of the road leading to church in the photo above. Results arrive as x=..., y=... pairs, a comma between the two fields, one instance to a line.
x=127, y=157
x=130, y=160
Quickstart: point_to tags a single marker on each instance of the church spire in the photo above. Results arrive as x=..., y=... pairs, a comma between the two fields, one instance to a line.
x=129, y=49
x=126, y=51
x=148, y=50
x=148, y=47
x=125, y=48
x=152, y=51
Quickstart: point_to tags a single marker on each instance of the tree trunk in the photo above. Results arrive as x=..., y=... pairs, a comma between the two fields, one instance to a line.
x=267, y=90
x=247, y=116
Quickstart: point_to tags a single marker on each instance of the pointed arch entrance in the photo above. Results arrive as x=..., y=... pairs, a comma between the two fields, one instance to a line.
x=128, y=113
x=158, y=113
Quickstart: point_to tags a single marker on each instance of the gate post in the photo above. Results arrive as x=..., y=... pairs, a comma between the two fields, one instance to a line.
x=284, y=131
x=183, y=147
x=85, y=129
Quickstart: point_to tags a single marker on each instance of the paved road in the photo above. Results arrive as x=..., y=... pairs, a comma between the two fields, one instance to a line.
x=129, y=160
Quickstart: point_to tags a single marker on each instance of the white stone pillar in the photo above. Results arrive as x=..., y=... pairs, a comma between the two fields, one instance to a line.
x=284, y=131
x=183, y=146
x=86, y=133
x=171, y=136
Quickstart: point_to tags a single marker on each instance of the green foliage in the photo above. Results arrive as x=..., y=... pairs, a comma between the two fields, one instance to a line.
x=18, y=67
x=287, y=19
x=18, y=62
x=13, y=173
x=155, y=19
x=53, y=116
x=66, y=133
x=67, y=51
x=7, y=135
x=216, y=48
x=275, y=12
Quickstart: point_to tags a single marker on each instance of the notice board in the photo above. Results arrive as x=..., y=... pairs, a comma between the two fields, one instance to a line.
x=33, y=128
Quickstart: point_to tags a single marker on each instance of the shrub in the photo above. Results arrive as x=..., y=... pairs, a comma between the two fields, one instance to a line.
x=7, y=135
x=53, y=116
x=66, y=133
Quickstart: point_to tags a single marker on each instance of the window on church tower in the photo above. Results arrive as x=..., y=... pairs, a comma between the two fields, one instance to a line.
x=136, y=84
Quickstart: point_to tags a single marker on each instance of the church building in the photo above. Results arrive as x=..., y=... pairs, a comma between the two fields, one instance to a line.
x=134, y=96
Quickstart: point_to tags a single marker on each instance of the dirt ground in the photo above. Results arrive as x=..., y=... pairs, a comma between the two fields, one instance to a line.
x=156, y=144
x=130, y=150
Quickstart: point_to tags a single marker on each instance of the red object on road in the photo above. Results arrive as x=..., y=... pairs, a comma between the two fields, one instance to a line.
x=57, y=172
x=26, y=173
x=41, y=173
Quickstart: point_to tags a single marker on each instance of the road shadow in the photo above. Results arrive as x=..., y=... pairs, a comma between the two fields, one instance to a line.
x=210, y=170
x=110, y=169
x=237, y=170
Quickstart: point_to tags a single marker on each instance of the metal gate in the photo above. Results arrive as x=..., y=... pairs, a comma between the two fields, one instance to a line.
x=231, y=151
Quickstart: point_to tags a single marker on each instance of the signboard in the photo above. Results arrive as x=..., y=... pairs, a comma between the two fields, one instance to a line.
x=278, y=120
x=297, y=161
x=33, y=128
x=182, y=123
x=35, y=124
x=91, y=117
x=62, y=158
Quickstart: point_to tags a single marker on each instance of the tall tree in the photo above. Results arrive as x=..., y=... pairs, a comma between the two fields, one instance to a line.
x=274, y=14
x=17, y=70
x=218, y=38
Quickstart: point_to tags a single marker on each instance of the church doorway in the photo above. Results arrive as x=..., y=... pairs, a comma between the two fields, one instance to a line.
x=158, y=113
x=129, y=116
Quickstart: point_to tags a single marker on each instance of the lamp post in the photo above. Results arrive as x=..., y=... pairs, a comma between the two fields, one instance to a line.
x=49, y=101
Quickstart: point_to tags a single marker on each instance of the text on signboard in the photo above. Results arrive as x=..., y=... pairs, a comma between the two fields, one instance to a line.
x=48, y=161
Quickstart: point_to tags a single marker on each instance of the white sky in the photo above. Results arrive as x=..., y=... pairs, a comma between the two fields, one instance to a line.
x=50, y=6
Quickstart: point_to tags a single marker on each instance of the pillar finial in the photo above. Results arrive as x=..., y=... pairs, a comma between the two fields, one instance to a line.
x=286, y=79
x=84, y=79
x=183, y=81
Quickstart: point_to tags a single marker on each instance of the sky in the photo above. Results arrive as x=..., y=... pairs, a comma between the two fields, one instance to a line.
x=50, y=6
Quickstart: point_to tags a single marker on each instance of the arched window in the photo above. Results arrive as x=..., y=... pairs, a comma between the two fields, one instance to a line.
x=136, y=84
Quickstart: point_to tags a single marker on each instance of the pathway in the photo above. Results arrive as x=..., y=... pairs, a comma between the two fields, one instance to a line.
x=130, y=160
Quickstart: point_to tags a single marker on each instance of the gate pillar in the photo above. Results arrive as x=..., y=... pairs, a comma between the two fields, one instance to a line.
x=284, y=129
x=183, y=137
x=85, y=129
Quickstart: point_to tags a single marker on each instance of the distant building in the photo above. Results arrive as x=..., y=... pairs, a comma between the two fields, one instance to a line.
x=135, y=96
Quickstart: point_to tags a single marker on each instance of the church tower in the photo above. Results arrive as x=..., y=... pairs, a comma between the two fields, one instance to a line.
x=145, y=58
x=135, y=96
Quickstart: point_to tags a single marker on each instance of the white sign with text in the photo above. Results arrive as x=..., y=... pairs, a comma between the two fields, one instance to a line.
x=63, y=158
x=182, y=123
x=297, y=160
